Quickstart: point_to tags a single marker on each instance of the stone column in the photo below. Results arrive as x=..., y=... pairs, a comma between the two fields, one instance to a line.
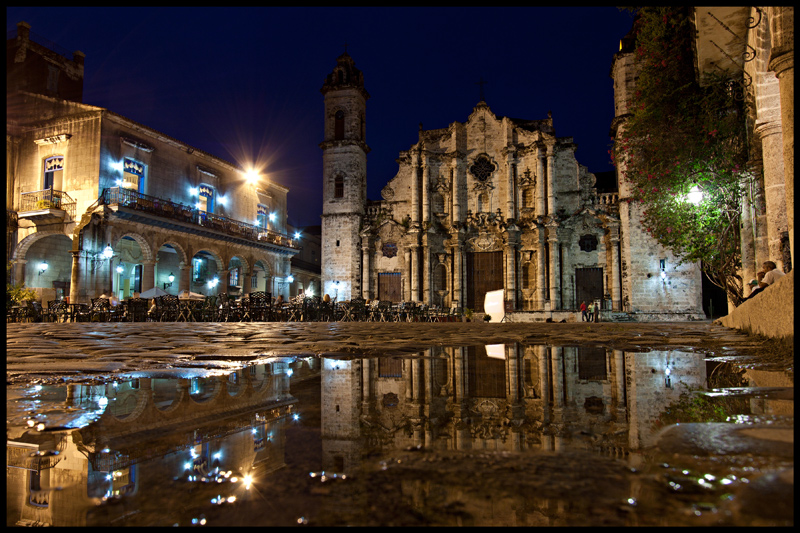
x=75, y=284
x=455, y=196
x=619, y=379
x=511, y=270
x=540, y=178
x=414, y=272
x=148, y=275
x=540, y=281
x=426, y=196
x=542, y=354
x=19, y=271
x=414, y=189
x=551, y=180
x=774, y=189
x=616, y=296
x=184, y=277
x=457, y=274
x=224, y=278
x=510, y=199
x=552, y=240
x=426, y=272
x=749, y=268
x=247, y=283
x=782, y=63
x=512, y=366
x=366, y=252
x=409, y=272
x=557, y=354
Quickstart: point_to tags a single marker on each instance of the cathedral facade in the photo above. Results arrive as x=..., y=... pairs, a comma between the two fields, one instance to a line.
x=486, y=204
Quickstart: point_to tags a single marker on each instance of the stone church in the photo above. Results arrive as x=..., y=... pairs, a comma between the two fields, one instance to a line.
x=486, y=204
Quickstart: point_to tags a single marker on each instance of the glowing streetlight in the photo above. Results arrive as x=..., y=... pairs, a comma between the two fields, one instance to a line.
x=695, y=195
x=252, y=176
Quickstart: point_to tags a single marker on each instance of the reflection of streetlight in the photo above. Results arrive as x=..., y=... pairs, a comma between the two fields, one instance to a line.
x=695, y=195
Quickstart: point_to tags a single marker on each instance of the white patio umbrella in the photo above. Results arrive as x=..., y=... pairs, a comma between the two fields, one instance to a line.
x=153, y=293
x=188, y=295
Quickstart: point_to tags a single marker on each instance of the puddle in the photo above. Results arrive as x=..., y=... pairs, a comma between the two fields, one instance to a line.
x=498, y=435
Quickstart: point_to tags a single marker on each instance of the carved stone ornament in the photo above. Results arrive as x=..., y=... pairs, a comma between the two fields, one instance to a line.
x=389, y=249
x=485, y=243
x=482, y=168
x=387, y=193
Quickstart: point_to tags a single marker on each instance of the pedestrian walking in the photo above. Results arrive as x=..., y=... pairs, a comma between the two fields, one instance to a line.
x=584, y=312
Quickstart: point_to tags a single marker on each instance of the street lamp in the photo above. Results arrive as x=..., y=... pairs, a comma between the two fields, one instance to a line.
x=695, y=195
x=171, y=278
x=43, y=266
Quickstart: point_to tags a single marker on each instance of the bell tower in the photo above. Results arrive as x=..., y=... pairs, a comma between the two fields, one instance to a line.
x=344, y=179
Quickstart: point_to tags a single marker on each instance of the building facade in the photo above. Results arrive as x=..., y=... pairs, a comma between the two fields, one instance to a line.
x=755, y=46
x=487, y=204
x=97, y=202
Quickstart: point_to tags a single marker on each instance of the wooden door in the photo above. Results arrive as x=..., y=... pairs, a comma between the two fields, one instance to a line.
x=389, y=286
x=588, y=285
x=484, y=274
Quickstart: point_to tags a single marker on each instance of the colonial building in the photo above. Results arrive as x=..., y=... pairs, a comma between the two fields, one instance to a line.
x=97, y=202
x=490, y=203
x=755, y=46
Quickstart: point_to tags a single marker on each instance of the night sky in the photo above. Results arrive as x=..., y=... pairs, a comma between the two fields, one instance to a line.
x=243, y=83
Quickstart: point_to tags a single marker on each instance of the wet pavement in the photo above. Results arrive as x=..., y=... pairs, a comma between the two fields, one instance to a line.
x=396, y=424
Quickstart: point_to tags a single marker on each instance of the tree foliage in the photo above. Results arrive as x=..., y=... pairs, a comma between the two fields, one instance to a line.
x=681, y=135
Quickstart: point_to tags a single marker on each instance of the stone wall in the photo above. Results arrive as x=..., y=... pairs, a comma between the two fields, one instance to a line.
x=770, y=313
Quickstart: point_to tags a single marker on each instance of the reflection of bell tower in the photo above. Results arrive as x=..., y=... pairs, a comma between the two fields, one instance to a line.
x=344, y=178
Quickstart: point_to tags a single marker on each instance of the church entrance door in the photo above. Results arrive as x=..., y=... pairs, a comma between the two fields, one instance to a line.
x=588, y=285
x=484, y=274
x=389, y=286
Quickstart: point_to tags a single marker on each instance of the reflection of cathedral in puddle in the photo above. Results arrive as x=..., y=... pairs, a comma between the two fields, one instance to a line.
x=147, y=432
x=511, y=398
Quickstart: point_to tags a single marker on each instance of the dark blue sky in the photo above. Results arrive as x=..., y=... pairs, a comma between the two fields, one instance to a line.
x=243, y=83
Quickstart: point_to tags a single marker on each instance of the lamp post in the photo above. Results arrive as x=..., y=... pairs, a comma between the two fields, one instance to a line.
x=171, y=278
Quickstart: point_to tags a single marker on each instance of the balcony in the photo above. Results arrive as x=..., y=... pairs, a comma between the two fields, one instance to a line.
x=186, y=215
x=47, y=206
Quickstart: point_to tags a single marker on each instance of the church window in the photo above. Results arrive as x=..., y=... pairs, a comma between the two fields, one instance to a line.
x=588, y=243
x=438, y=203
x=53, y=172
x=527, y=197
x=482, y=169
x=338, y=187
x=338, y=133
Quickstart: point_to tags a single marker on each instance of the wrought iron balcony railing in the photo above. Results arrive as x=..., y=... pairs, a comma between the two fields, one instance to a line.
x=184, y=213
x=47, y=199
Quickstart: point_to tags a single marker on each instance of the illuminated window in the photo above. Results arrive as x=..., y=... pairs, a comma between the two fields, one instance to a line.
x=133, y=175
x=53, y=172
x=233, y=278
x=338, y=187
x=254, y=280
x=262, y=215
x=206, y=198
x=199, y=269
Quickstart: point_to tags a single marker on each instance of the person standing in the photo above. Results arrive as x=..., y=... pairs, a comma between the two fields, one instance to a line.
x=591, y=312
x=584, y=311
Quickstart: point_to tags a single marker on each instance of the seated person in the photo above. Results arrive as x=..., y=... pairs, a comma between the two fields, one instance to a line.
x=772, y=274
x=754, y=285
